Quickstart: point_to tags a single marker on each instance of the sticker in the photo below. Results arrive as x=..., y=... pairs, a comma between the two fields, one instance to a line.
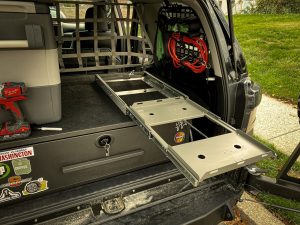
x=4, y=170
x=180, y=125
x=14, y=183
x=21, y=166
x=179, y=137
x=16, y=154
x=7, y=195
x=35, y=186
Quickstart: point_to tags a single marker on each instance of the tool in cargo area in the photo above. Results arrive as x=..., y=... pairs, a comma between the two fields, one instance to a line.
x=188, y=52
x=48, y=128
x=10, y=94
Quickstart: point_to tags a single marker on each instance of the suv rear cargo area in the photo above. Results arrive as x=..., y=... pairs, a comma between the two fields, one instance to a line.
x=140, y=94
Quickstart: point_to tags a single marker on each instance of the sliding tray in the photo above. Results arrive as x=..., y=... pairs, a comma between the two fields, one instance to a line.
x=154, y=106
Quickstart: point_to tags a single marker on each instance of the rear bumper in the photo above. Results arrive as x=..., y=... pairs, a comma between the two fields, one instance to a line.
x=156, y=195
x=200, y=207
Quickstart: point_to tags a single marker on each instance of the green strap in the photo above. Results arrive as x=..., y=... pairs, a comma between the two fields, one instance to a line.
x=159, y=45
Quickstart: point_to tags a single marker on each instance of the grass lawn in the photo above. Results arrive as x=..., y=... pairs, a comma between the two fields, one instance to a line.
x=273, y=166
x=271, y=44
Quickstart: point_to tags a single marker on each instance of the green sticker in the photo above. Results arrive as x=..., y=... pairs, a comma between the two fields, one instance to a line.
x=21, y=166
x=4, y=170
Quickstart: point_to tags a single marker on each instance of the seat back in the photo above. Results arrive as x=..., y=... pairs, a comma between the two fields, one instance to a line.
x=102, y=30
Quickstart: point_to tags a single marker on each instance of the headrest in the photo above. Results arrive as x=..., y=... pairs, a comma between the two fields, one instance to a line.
x=102, y=26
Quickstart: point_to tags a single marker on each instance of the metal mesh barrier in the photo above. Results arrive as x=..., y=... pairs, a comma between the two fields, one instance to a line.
x=100, y=36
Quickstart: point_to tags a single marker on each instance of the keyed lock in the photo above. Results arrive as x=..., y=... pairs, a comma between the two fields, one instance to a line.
x=104, y=142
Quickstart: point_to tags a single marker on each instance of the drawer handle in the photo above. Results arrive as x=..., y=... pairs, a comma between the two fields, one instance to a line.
x=100, y=162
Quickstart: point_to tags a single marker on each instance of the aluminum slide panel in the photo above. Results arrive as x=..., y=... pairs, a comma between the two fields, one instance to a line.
x=200, y=159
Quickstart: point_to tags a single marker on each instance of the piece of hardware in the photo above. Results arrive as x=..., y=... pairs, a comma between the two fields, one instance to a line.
x=188, y=52
x=10, y=94
x=49, y=128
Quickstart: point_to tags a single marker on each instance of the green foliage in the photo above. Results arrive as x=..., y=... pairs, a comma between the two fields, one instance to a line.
x=271, y=44
x=277, y=6
x=273, y=166
x=290, y=217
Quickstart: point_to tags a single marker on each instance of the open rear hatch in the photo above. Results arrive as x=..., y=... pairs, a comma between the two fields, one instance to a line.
x=117, y=40
x=165, y=114
x=156, y=105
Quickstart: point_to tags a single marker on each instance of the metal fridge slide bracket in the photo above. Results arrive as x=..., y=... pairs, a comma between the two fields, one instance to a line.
x=199, y=159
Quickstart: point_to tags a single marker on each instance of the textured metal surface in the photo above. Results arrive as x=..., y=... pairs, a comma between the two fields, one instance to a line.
x=165, y=111
x=128, y=85
x=130, y=99
x=137, y=91
x=197, y=160
x=106, y=82
x=212, y=156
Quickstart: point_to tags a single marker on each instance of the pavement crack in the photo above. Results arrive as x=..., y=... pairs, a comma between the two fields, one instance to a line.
x=280, y=135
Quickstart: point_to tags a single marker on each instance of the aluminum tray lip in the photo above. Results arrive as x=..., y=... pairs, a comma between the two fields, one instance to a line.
x=234, y=151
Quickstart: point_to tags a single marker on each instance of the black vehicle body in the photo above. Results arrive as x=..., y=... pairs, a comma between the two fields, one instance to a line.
x=82, y=181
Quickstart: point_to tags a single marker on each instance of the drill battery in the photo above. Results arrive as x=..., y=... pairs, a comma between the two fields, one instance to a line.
x=10, y=94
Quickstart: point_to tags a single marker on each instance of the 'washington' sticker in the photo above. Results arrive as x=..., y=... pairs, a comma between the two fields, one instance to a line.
x=16, y=154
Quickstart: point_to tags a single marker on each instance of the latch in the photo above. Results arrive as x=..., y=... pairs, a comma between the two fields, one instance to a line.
x=256, y=171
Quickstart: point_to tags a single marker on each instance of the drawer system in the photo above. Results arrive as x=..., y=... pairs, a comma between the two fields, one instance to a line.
x=61, y=164
x=153, y=105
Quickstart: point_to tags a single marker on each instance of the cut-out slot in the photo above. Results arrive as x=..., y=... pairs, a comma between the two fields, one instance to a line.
x=237, y=146
x=201, y=156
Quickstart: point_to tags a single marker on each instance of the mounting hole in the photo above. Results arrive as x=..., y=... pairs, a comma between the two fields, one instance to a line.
x=139, y=103
x=151, y=114
x=184, y=108
x=201, y=156
x=237, y=146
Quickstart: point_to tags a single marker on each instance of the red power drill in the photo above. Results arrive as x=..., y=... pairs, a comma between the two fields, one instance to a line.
x=10, y=93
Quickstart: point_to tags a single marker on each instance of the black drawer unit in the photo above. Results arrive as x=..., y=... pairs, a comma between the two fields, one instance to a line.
x=58, y=164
